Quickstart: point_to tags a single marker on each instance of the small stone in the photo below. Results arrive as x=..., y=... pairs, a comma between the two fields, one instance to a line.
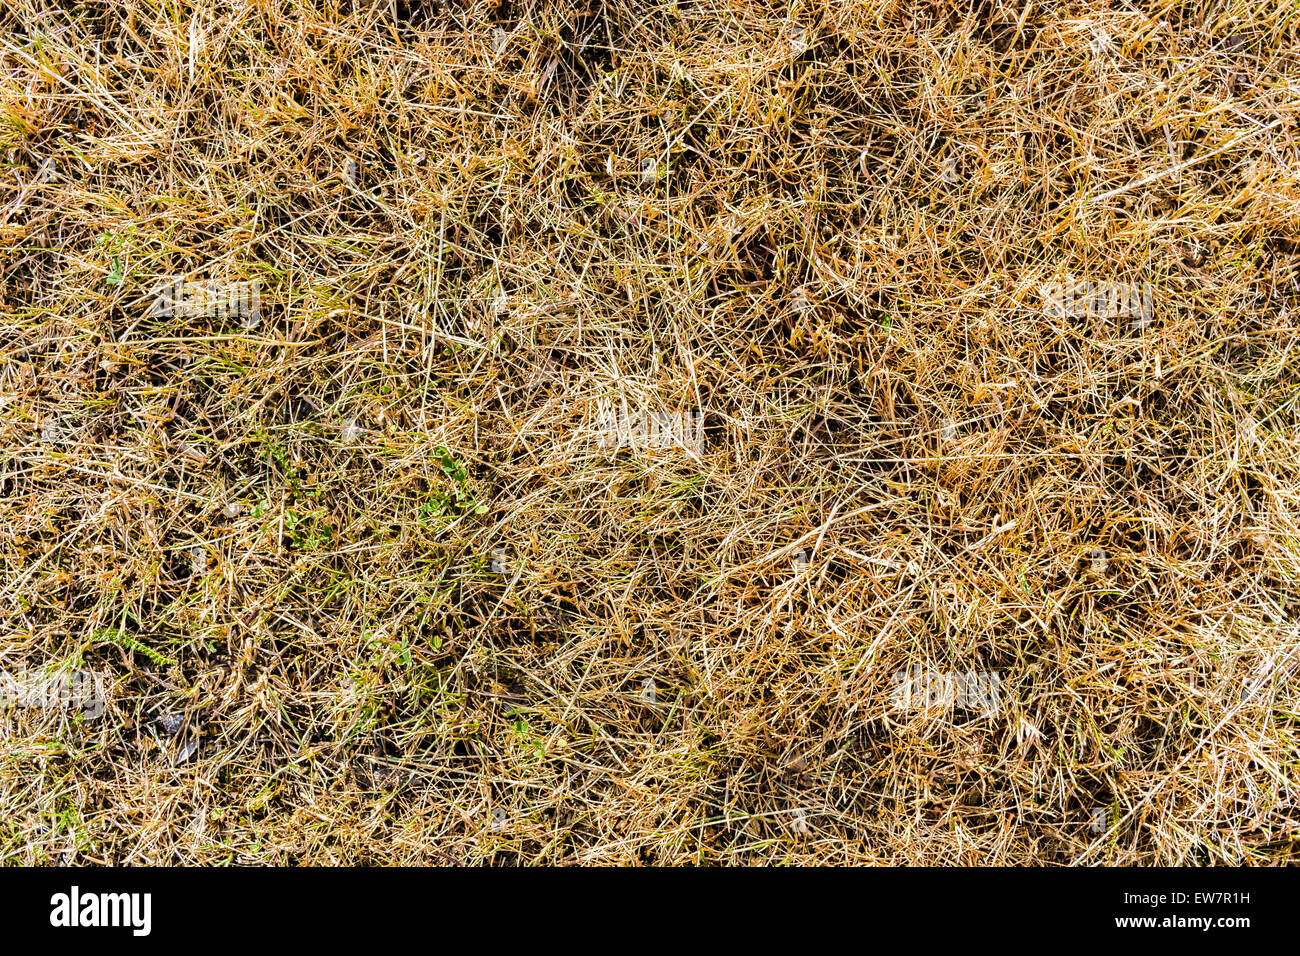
x=799, y=300
x=187, y=750
x=1250, y=690
x=171, y=724
x=231, y=510
x=798, y=39
x=799, y=822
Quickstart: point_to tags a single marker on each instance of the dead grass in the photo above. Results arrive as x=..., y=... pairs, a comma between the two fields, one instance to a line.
x=659, y=204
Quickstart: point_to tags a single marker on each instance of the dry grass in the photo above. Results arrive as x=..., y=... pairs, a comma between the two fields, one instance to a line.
x=657, y=203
